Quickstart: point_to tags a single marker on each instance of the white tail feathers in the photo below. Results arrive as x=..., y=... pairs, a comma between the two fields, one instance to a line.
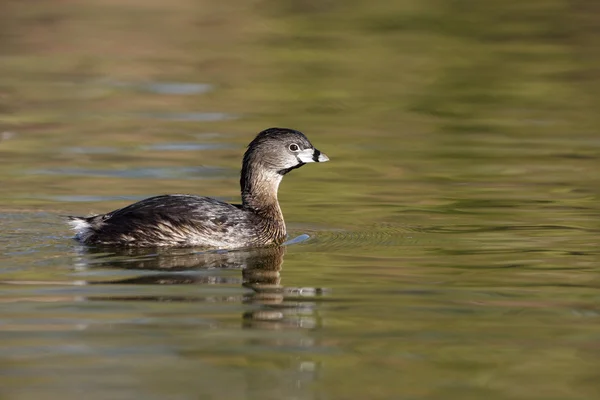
x=81, y=226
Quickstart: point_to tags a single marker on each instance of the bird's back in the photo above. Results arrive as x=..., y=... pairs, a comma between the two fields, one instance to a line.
x=172, y=220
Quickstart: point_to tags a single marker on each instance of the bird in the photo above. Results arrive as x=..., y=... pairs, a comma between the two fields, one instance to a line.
x=183, y=220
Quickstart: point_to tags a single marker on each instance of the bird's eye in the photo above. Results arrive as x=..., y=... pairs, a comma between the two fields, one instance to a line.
x=294, y=147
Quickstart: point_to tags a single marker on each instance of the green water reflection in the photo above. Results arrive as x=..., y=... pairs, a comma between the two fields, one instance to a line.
x=453, y=247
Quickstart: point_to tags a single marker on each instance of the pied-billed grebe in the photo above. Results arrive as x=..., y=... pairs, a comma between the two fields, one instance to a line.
x=187, y=220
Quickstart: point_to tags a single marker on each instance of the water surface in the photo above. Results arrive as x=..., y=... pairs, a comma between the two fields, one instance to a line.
x=448, y=250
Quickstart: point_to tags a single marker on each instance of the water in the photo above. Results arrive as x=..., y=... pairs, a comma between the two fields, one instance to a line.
x=448, y=250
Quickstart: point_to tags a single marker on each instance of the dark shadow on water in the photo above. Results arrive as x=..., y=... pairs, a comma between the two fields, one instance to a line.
x=273, y=306
x=181, y=259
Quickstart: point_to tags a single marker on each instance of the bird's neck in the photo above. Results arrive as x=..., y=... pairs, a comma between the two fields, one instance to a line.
x=259, y=195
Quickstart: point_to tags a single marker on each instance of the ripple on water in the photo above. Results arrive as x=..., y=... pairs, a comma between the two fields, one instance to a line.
x=98, y=199
x=91, y=199
x=177, y=88
x=461, y=229
x=91, y=150
x=200, y=172
x=172, y=146
x=185, y=146
x=297, y=240
x=378, y=236
x=190, y=116
x=168, y=88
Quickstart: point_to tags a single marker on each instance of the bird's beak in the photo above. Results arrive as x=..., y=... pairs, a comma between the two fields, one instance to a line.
x=312, y=155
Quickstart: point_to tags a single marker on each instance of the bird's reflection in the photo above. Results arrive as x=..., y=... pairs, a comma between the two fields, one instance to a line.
x=279, y=307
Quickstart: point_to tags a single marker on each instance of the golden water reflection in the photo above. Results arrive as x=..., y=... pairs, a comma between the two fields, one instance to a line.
x=273, y=305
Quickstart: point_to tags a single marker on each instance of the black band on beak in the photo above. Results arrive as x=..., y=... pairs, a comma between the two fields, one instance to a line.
x=316, y=154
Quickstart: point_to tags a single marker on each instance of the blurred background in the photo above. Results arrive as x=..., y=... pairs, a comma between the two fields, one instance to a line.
x=452, y=246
